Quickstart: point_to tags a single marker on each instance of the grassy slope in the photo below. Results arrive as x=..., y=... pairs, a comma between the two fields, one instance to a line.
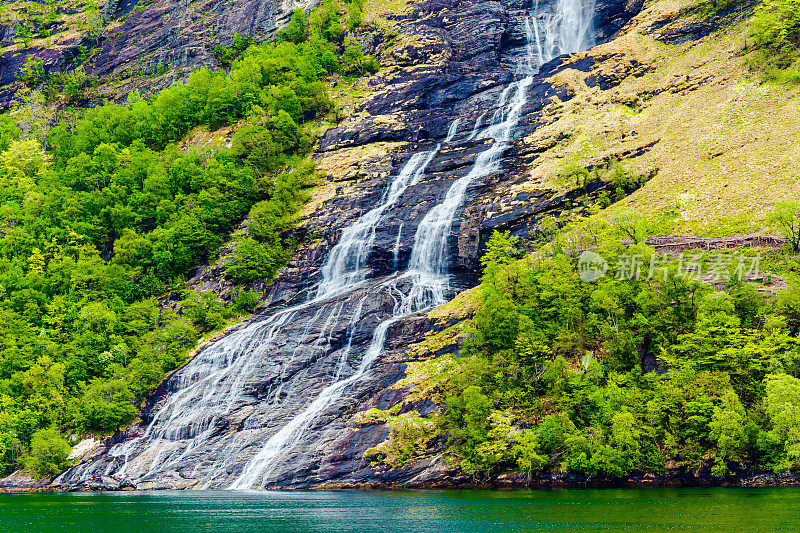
x=725, y=151
x=726, y=145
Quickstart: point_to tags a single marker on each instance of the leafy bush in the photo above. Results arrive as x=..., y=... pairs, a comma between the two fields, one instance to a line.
x=206, y=311
x=8, y=132
x=252, y=261
x=551, y=377
x=324, y=22
x=32, y=71
x=776, y=32
x=68, y=85
x=786, y=216
x=247, y=301
x=297, y=29
x=107, y=405
x=354, y=61
x=355, y=14
x=408, y=437
x=49, y=452
x=225, y=55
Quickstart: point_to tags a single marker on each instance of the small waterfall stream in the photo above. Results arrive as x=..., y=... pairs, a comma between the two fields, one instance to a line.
x=569, y=29
x=219, y=380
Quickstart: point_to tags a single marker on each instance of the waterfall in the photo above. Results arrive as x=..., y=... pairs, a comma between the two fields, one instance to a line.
x=569, y=29
x=220, y=379
x=427, y=271
x=397, y=243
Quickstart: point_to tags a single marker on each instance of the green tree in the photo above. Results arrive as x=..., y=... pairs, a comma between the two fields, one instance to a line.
x=9, y=131
x=32, y=114
x=24, y=159
x=728, y=432
x=355, y=14
x=467, y=416
x=354, y=61
x=786, y=215
x=775, y=29
x=251, y=261
x=49, y=452
x=247, y=301
x=324, y=22
x=205, y=310
x=783, y=407
x=526, y=450
x=297, y=29
x=97, y=317
x=107, y=405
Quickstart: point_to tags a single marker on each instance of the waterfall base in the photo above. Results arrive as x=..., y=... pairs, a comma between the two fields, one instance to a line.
x=275, y=403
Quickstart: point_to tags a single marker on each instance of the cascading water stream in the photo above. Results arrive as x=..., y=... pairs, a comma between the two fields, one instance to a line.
x=214, y=382
x=567, y=30
x=217, y=381
x=427, y=269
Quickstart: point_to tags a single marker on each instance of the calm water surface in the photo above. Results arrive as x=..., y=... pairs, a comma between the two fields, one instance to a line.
x=405, y=511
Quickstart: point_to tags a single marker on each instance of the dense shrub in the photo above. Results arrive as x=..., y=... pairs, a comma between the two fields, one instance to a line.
x=246, y=301
x=103, y=213
x=107, y=405
x=776, y=32
x=355, y=14
x=551, y=377
x=49, y=451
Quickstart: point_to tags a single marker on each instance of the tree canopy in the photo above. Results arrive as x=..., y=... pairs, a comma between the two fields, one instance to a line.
x=105, y=211
x=610, y=378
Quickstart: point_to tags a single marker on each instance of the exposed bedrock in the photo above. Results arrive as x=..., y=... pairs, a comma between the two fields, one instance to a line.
x=458, y=58
x=143, y=36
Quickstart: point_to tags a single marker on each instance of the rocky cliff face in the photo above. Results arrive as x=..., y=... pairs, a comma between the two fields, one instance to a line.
x=144, y=45
x=182, y=35
x=212, y=420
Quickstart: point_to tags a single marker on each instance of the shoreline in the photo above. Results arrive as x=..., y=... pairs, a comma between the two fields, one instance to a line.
x=760, y=480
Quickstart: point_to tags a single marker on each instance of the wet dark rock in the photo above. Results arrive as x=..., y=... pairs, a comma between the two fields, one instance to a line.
x=667, y=31
x=459, y=57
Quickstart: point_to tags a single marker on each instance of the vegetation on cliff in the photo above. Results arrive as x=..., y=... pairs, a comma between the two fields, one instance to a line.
x=552, y=375
x=103, y=214
x=776, y=32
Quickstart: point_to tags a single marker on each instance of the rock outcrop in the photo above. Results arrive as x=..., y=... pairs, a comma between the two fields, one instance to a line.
x=145, y=45
x=450, y=64
x=182, y=35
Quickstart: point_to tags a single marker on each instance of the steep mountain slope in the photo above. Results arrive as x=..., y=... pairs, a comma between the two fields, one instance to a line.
x=267, y=404
x=687, y=105
x=666, y=92
x=129, y=45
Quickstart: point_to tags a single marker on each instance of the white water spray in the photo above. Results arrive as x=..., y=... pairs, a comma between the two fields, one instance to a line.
x=427, y=271
x=219, y=380
x=567, y=30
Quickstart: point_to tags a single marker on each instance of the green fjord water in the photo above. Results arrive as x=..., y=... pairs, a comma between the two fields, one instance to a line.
x=714, y=509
